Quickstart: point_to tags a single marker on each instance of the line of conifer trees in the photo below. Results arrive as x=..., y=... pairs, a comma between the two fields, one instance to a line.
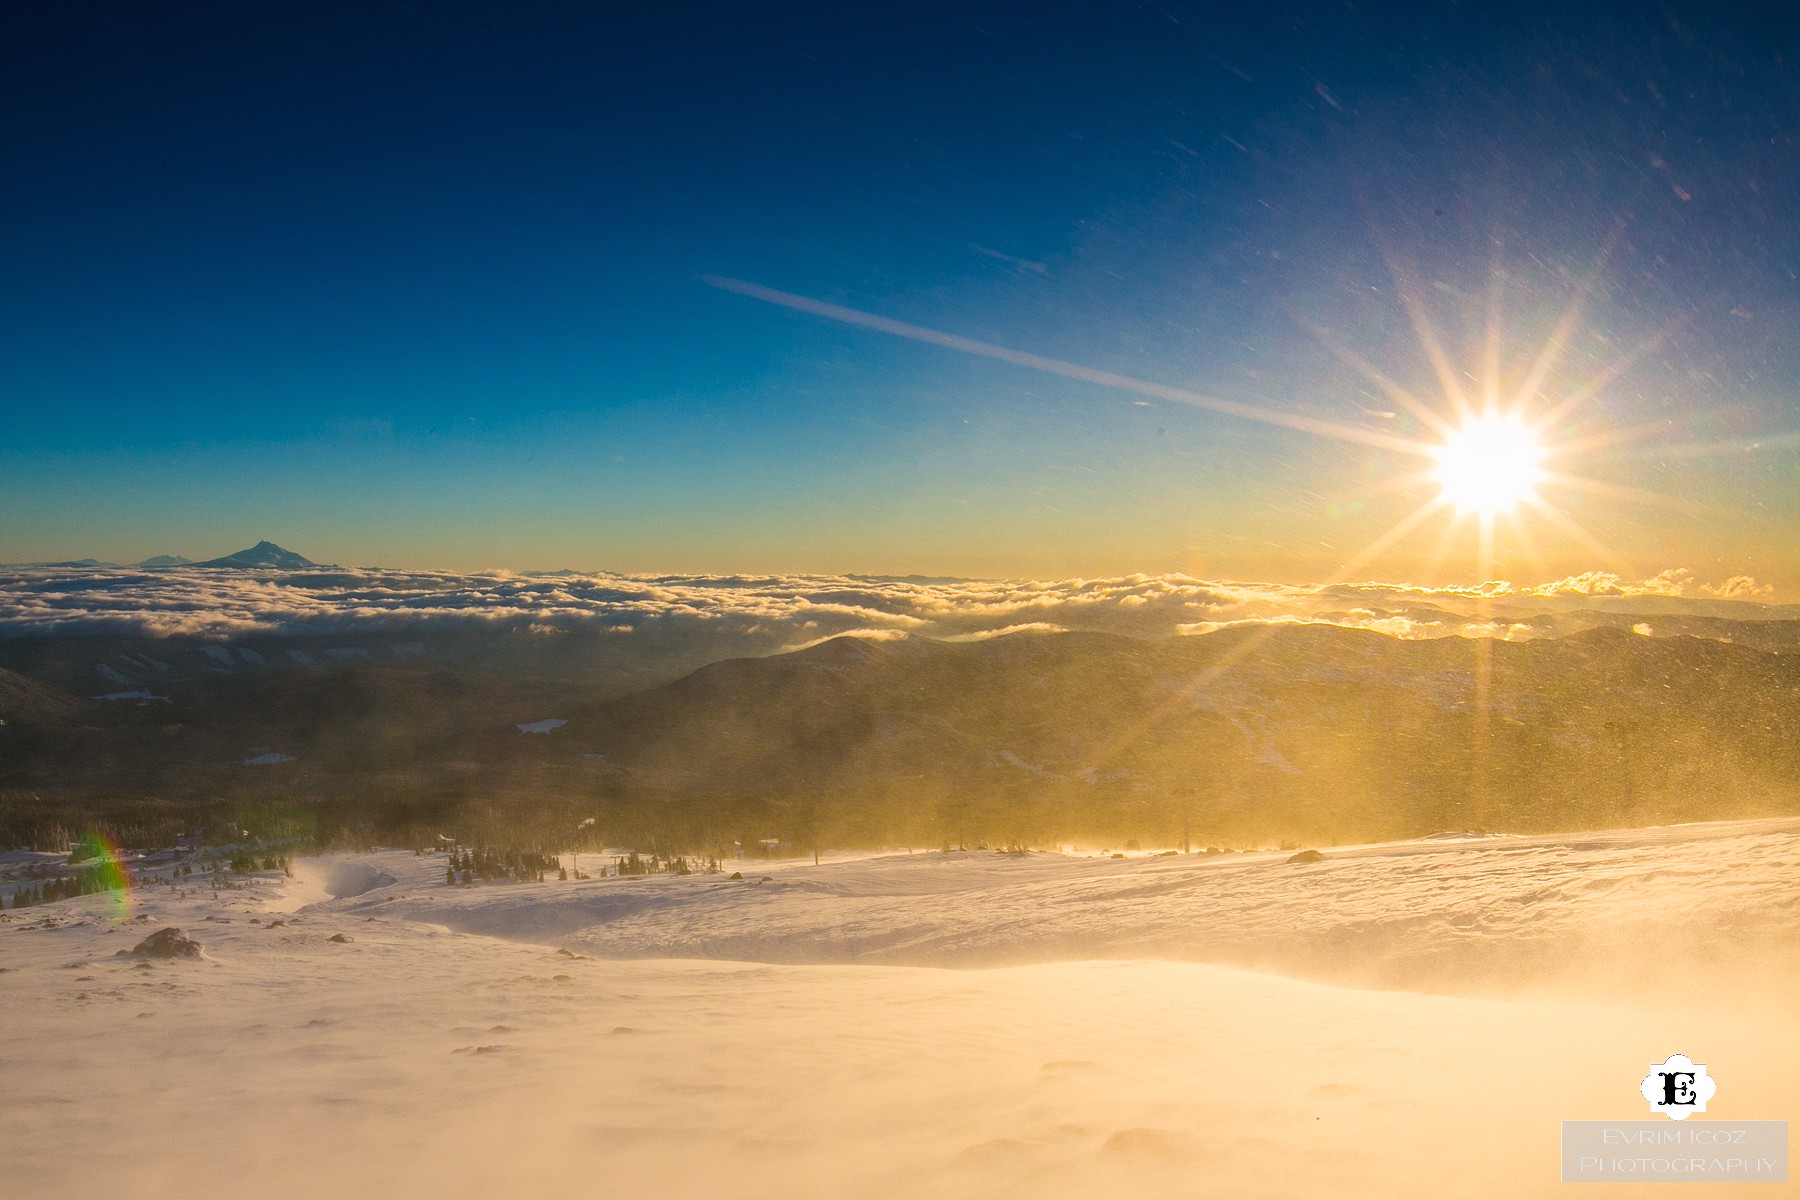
x=83, y=882
x=467, y=866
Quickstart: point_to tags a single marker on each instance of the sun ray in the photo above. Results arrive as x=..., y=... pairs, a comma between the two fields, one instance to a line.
x=1484, y=684
x=1434, y=352
x=1422, y=328
x=1776, y=441
x=1441, y=551
x=1194, y=686
x=1389, y=487
x=1521, y=532
x=1575, y=400
x=1619, y=491
x=1393, y=535
x=1484, y=547
x=1392, y=390
x=1570, y=447
x=1490, y=348
x=1182, y=695
x=1573, y=529
x=1558, y=341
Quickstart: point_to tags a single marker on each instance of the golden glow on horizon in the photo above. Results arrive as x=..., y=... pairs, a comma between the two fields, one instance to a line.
x=1489, y=466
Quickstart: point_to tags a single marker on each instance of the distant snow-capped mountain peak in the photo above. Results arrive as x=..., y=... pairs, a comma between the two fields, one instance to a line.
x=263, y=554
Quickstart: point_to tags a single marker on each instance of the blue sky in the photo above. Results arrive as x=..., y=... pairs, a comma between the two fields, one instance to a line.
x=420, y=286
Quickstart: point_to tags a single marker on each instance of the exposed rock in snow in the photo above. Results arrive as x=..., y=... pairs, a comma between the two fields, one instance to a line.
x=166, y=943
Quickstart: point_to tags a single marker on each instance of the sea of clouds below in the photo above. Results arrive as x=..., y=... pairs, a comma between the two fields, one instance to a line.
x=798, y=610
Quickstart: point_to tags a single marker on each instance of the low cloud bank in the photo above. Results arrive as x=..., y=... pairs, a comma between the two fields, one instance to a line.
x=797, y=610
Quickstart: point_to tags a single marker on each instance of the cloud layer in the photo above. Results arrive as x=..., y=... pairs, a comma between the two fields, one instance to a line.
x=795, y=610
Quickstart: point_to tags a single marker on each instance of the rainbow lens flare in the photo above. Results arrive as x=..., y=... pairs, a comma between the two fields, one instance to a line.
x=104, y=865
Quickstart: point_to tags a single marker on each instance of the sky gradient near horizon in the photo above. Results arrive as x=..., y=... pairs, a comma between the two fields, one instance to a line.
x=425, y=286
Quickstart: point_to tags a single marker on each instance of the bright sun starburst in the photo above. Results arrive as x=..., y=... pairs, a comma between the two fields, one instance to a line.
x=1488, y=466
x=1496, y=439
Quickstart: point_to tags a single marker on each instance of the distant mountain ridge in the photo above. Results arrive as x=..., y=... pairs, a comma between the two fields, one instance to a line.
x=1246, y=736
x=75, y=564
x=262, y=556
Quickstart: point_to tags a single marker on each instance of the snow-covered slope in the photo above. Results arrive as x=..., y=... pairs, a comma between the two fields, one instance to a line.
x=1459, y=915
x=344, y=1034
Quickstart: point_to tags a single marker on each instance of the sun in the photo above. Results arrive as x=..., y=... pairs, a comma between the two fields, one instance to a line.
x=1498, y=439
x=1488, y=466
